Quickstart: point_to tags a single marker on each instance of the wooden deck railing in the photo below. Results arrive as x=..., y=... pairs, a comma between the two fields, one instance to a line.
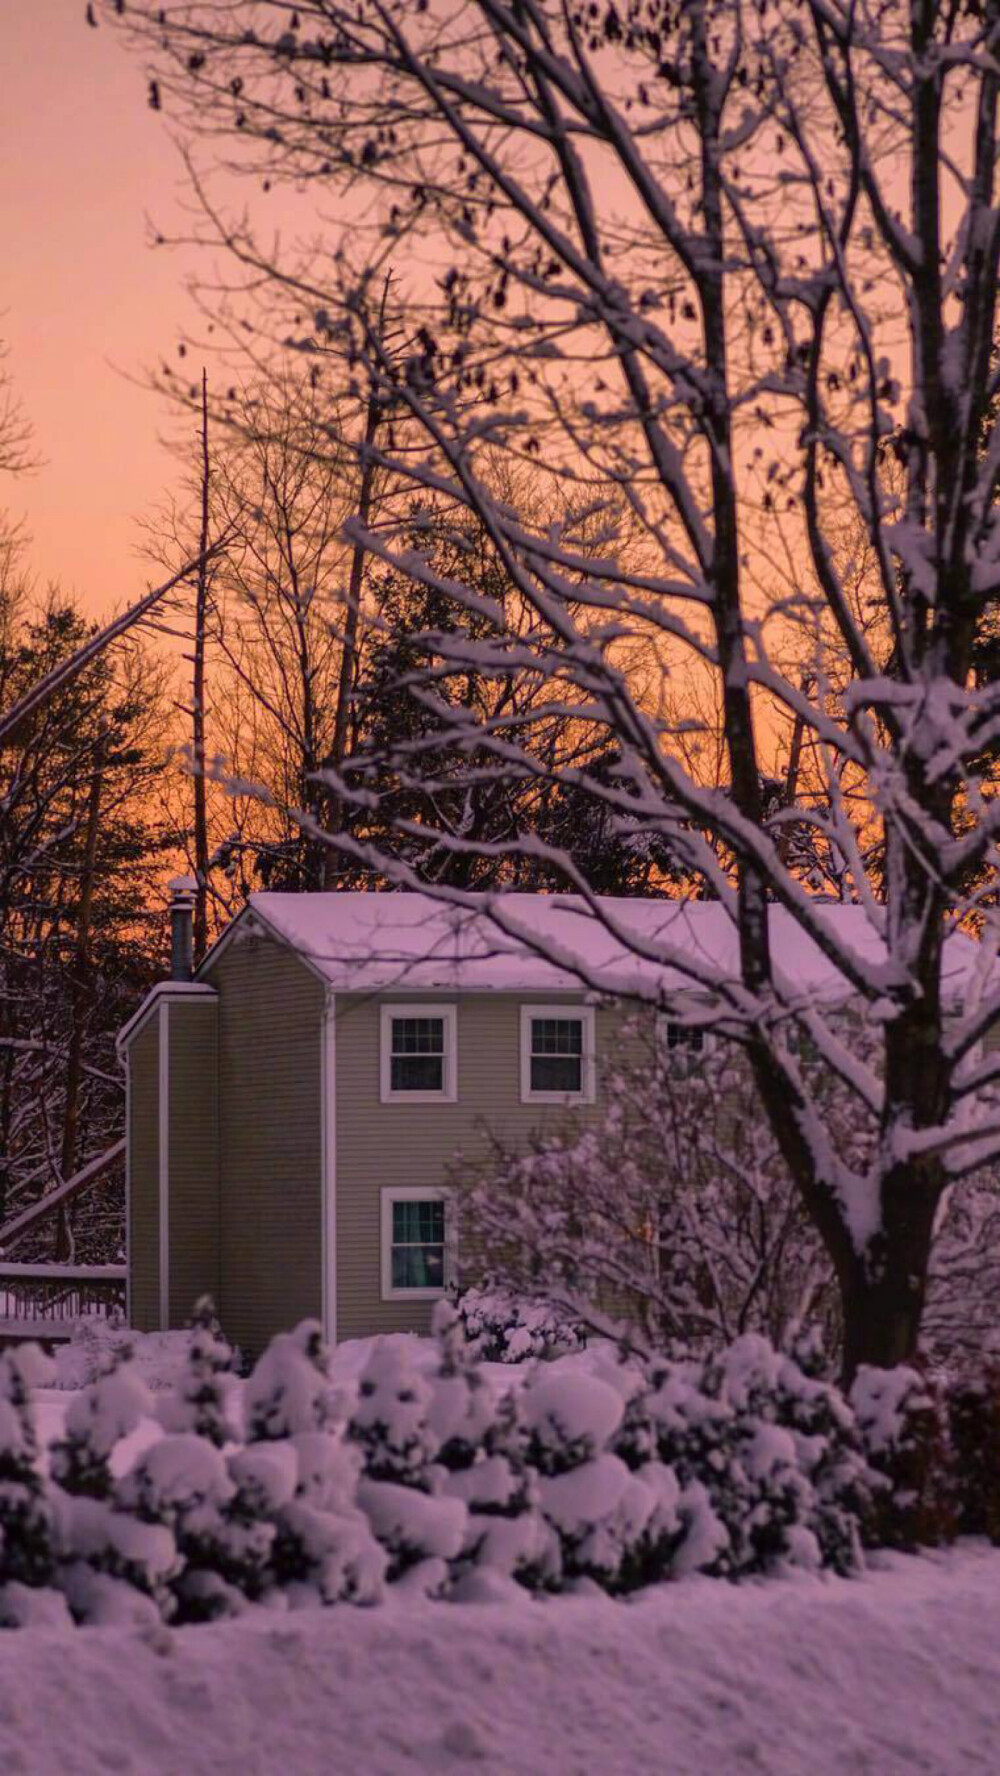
x=45, y=1300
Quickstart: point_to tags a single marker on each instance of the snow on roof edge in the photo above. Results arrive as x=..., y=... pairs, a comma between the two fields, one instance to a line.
x=364, y=941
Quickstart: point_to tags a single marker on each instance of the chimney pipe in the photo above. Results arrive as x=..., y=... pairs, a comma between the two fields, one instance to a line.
x=182, y=892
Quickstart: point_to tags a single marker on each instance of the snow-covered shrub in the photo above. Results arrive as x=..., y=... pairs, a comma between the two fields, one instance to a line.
x=96, y=1421
x=325, y=1547
x=181, y=1486
x=974, y=1415
x=205, y=1397
x=421, y=1527
x=98, y=1341
x=115, y=1565
x=902, y=1417
x=504, y=1327
x=768, y=1460
x=26, y=1523
x=290, y=1389
x=301, y=1531
x=115, y=1568
x=607, y=1516
x=481, y=1456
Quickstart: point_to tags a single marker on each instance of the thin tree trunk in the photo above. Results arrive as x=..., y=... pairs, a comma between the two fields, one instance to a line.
x=352, y=622
x=200, y=934
x=80, y=993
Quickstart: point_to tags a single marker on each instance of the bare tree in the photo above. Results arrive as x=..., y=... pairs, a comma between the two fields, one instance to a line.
x=719, y=255
x=674, y=1215
x=17, y=456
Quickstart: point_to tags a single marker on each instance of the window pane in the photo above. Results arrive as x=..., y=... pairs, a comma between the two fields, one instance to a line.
x=680, y=1036
x=418, y=1036
x=556, y=1073
x=416, y=1073
x=417, y=1222
x=557, y=1036
x=418, y=1267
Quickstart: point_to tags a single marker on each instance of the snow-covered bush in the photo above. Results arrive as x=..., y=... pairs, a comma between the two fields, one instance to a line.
x=205, y=1397
x=26, y=1522
x=115, y=1564
x=420, y=1526
x=607, y=1517
x=504, y=1327
x=290, y=1390
x=767, y=1457
x=482, y=1458
x=99, y=1340
x=595, y=1468
x=180, y=1486
x=96, y=1421
x=296, y=1481
x=902, y=1418
x=974, y=1416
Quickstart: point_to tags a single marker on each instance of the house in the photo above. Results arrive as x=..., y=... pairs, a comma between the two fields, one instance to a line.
x=295, y=1107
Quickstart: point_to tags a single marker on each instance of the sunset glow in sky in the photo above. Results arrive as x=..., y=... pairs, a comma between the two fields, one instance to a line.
x=85, y=302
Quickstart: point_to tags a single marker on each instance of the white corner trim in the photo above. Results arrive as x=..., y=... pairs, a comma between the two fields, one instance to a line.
x=431, y=1009
x=189, y=991
x=588, y=1070
x=328, y=1125
x=391, y=1193
x=163, y=1096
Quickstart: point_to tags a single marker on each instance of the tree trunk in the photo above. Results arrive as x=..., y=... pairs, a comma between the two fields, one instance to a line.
x=882, y=1296
x=349, y=655
x=200, y=934
x=352, y=621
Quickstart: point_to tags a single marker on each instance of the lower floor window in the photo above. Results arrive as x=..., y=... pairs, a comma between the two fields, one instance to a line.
x=413, y=1242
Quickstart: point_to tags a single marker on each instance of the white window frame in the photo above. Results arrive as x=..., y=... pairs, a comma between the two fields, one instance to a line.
x=405, y=1009
x=393, y=1193
x=585, y=1015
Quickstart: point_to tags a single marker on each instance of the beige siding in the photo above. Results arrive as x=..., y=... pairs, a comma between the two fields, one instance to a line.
x=270, y=1134
x=193, y=1193
x=143, y=1173
x=396, y=1144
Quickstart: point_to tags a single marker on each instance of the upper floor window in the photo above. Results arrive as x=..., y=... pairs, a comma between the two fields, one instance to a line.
x=682, y=1046
x=418, y=1059
x=557, y=1054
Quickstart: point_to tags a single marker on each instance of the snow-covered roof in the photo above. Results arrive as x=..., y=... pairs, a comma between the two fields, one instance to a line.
x=361, y=942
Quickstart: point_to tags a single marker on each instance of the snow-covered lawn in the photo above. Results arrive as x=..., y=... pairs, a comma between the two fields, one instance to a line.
x=898, y=1672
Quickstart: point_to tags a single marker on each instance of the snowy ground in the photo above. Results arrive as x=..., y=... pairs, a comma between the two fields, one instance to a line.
x=899, y=1672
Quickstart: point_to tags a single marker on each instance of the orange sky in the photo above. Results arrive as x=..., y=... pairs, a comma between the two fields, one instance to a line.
x=83, y=298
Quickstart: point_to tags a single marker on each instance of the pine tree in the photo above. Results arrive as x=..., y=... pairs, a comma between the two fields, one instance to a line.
x=205, y=1400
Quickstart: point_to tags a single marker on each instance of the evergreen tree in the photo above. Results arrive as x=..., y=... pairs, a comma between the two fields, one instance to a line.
x=80, y=929
x=409, y=754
